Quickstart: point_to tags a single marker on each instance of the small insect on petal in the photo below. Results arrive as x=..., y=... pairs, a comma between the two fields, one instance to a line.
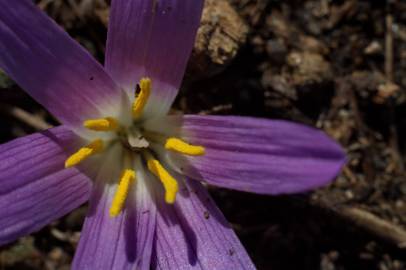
x=85, y=152
x=170, y=184
x=123, y=187
x=175, y=144
x=142, y=97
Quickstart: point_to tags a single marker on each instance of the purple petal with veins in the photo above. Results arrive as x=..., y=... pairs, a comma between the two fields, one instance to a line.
x=122, y=242
x=193, y=234
x=256, y=155
x=154, y=39
x=35, y=189
x=55, y=70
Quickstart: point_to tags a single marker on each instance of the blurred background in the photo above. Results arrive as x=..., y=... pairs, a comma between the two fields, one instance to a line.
x=338, y=65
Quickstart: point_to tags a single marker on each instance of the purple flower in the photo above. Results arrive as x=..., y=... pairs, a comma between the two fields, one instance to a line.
x=141, y=169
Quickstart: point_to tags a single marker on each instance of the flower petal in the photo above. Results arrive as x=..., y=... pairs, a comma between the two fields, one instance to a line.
x=193, y=234
x=35, y=189
x=258, y=155
x=122, y=242
x=154, y=39
x=52, y=67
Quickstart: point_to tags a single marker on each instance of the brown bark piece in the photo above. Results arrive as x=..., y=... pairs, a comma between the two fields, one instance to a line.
x=222, y=32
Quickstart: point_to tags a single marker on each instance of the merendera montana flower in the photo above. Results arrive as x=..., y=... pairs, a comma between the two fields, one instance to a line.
x=141, y=168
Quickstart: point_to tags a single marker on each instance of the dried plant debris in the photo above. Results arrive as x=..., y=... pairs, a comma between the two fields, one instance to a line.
x=219, y=38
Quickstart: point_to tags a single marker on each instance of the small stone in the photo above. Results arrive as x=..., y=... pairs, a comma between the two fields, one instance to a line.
x=308, y=68
x=373, y=48
x=349, y=194
x=56, y=254
x=386, y=91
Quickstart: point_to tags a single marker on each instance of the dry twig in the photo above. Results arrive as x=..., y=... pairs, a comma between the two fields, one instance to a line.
x=375, y=225
x=25, y=117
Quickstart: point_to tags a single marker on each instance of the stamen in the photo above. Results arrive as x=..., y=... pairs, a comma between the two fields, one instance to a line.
x=175, y=144
x=83, y=153
x=142, y=98
x=102, y=124
x=123, y=187
x=170, y=184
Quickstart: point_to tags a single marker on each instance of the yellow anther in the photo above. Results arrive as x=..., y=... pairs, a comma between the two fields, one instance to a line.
x=102, y=124
x=94, y=147
x=175, y=144
x=170, y=184
x=121, y=194
x=142, y=97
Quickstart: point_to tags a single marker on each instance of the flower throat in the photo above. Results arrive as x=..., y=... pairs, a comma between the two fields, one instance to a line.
x=132, y=138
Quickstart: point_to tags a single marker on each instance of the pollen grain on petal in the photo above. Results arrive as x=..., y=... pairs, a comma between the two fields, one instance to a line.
x=83, y=153
x=178, y=145
x=169, y=183
x=102, y=124
x=127, y=177
x=141, y=98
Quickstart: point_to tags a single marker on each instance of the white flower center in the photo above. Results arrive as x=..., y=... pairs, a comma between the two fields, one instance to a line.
x=137, y=142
